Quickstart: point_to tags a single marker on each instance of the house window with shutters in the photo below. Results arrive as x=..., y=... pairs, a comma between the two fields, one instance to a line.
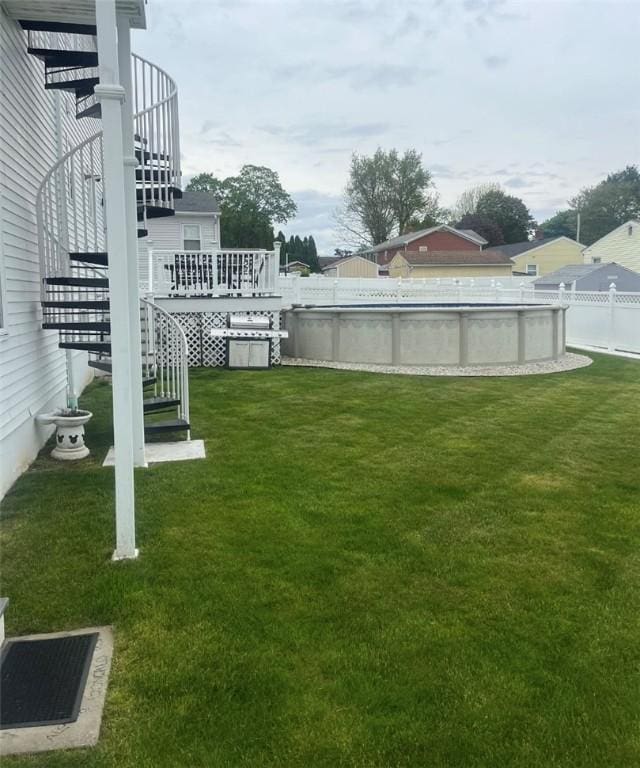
x=191, y=237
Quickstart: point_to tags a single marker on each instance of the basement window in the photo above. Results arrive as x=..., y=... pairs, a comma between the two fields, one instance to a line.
x=191, y=237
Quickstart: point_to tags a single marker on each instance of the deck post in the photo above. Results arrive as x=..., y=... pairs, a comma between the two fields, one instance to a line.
x=111, y=96
x=130, y=164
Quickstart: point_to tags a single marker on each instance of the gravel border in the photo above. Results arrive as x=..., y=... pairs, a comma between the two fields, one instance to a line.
x=568, y=362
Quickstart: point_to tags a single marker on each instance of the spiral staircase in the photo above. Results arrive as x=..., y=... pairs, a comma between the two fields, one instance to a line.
x=74, y=254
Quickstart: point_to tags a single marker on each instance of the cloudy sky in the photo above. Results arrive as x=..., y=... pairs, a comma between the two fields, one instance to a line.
x=541, y=97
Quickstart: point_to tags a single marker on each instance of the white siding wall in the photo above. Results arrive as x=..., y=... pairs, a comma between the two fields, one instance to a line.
x=32, y=368
x=618, y=246
x=166, y=235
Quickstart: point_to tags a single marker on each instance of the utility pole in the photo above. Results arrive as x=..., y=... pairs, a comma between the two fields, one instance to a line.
x=578, y=227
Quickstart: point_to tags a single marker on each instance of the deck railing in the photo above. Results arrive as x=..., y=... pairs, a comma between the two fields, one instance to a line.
x=223, y=272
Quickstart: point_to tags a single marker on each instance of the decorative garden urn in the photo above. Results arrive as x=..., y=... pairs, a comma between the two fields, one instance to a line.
x=69, y=433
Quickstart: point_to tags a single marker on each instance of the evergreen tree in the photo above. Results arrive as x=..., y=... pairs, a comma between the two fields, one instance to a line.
x=291, y=249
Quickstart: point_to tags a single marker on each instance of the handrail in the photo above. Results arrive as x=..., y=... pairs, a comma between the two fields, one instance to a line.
x=166, y=355
x=69, y=209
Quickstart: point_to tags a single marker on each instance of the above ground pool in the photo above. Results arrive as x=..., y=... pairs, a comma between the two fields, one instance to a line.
x=426, y=334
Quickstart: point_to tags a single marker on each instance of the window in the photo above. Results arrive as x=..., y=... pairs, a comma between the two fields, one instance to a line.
x=596, y=260
x=191, y=237
x=532, y=269
x=630, y=230
x=423, y=248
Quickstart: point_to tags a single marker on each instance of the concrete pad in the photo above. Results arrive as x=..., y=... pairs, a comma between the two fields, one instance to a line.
x=84, y=732
x=156, y=453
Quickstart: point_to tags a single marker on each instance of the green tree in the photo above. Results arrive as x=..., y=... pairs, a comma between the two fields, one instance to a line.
x=250, y=203
x=608, y=204
x=259, y=187
x=207, y=182
x=385, y=192
x=484, y=226
x=508, y=212
x=468, y=201
x=562, y=223
x=408, y=185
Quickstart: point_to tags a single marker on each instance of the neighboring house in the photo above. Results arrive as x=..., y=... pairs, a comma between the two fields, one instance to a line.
x=433, y=264
x=540, y=257
x=350, y=266
x=439, y=238
x=299, y=267
x=194, y=227
x=622, y=245
x=590, y=277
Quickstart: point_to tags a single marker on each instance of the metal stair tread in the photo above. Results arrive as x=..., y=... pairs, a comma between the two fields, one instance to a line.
x=58, y=26
x=158, y=403
x=173, y=425
x=97, y=257
x=80, y=282
x=79, y=325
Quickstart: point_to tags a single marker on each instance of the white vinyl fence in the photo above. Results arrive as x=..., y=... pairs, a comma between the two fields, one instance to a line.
x=609, y=320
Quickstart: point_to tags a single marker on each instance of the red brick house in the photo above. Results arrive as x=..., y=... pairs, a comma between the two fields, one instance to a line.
x=440, y=238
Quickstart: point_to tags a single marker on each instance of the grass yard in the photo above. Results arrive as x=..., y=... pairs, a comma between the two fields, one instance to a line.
x=367, y=570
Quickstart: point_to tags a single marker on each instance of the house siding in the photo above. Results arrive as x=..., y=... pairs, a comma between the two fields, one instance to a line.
x=353, y=268
x=399, y=267
x=549, y=257
x=32, y=367
x=165, y=234
x=617, y=246
x=435, y=241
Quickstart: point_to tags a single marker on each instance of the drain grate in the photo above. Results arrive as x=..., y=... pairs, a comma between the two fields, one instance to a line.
x=42, y=681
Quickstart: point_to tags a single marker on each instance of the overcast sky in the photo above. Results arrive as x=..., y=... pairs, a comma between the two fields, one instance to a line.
x=542, y=97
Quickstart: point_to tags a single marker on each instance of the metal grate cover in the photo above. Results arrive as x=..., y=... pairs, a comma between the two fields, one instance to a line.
x=42, y=681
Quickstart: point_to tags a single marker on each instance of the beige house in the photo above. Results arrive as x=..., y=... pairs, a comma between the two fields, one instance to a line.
x=540, y=257
x=622, y=245
x=428, y=264
x=351, y=266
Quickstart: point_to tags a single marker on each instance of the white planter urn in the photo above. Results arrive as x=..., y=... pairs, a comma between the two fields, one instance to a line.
x=69, y=433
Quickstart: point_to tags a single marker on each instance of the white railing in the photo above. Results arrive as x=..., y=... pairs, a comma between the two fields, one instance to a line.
x=70, y=199
x=215, y=273
x=155, y=103
x=602, y=319
x=69, y=209
x=165, y=355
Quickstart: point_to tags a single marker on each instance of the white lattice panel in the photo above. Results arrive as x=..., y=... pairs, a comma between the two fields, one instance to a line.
x=210, y=352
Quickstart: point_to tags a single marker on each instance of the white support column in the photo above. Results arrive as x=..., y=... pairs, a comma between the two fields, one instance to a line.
x=111, y=96
x=130, y=165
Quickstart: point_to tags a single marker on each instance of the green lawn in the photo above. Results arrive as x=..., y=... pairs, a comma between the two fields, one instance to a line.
x=367, y=570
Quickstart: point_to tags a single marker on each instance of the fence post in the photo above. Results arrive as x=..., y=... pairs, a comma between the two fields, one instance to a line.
x=522, y=291
x=497, y=287
x=399, y=288
x=459, y=293
x=276, y=266
x=296, y=288
x=611, y=345
x=335, y=291
x=561, y=288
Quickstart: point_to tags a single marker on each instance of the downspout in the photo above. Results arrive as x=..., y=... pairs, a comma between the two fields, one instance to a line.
x=72, y=392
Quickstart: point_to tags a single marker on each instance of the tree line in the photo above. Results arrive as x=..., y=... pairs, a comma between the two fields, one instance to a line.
x=299, y=249
x=389, y=194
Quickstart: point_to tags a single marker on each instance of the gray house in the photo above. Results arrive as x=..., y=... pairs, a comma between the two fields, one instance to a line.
x=590, y=277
